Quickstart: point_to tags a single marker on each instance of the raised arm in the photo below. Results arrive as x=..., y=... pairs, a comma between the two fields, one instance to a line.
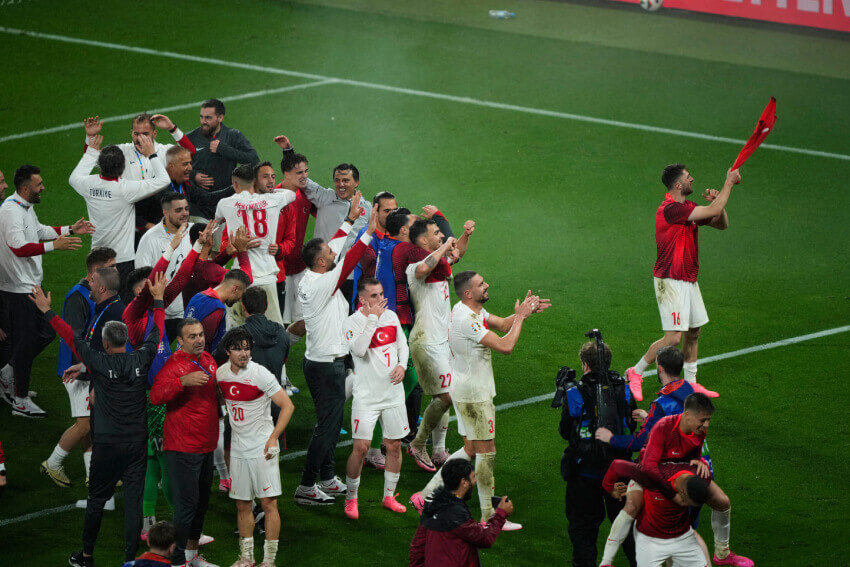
x=718, y=203
x=164, y=122
x=427, y=265
x=505, y=344
x=364, y=330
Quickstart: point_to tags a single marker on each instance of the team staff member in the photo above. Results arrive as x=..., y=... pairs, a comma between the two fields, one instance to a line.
x=187, y=385
x=676, y=289
x=325, y=312
x=21, y=247
x=119, y=380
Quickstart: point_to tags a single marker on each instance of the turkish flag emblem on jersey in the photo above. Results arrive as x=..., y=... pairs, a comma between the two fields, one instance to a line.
x=763, y=128
x=239, y=391
x=383, y=336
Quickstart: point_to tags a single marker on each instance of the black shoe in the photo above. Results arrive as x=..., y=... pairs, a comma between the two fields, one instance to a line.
x=77, y=559
x=259, y=519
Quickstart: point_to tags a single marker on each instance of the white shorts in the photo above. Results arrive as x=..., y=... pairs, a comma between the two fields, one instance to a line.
x=680, y=304
x=684, y=550
x=254, y=478
x=393, y=421
x=78, y=393
x=291, y=305
x=433, y=367
x=479, y=420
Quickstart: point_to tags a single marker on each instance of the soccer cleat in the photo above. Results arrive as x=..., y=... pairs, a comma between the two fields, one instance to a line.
x=242, y=562
x=77, y=559
x=393, y=505
x=333, y=487
x=734, y=559
x=417, y=501
x=312, y=496
x=420, y=456
x=635, y=381
x=27, y=408
x=57, y=475
x=700, y=389
x=440, y=457
x=511, y=526
x=375, y=459
x=290, y=388
x=199, y=561
x=352, y=512
x=224, y=485
x=205, y=540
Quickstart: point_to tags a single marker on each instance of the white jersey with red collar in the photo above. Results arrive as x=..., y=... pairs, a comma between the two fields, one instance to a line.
x=247, y=394
x=377, y=346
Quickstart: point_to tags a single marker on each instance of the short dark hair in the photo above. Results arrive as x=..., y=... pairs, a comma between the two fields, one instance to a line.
x=348, y=167
x=671, y=359
x=215, y=104
x=173, y=152
x=699, y=403
x=311, y=251
x=195, y=231
x=115, y=333
x=244, y=173
x=237, y=336
x=454, y=471
x=23, y=175
x=396, y=220
x=588, y=355
x=138, y=275
x=461, y=281
x=98, y=256
x=236, y=275
x=110, y=278
x=186, y=322
x=168, y=197
x=143, y=117
x=111, y=161
x=261, y=165
x=381, y=196
x=363, y=282
x=671, y=174
x=255, y=300
x=697, y=490
x=420, y=227
x=290, y=160
x=162, y=535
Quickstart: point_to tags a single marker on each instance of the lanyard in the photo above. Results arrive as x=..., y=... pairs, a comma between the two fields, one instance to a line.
x=91, y=331
x=23, y=206
x=178, y=189
x=201, y=367
x=139, y=157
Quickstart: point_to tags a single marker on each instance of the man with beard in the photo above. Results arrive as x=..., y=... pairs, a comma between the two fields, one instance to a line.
x=209, y=307
x=219, y=148
x=676, y=289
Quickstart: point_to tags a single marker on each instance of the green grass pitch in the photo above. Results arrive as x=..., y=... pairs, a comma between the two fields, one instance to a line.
x=493, y=120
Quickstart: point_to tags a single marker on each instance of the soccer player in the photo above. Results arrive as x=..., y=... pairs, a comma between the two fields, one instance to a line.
x=428, y=281
x=248, y=389
x=21, y=246
x=325, y=312
x=209, y=307
x=379, y=349
x=677, y=265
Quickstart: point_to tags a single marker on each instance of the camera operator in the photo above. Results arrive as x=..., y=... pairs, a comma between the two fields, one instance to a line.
x=599, y=399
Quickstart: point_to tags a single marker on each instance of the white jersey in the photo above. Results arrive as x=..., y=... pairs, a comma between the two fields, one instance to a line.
x=377, y=346
x=110, y=202
x=153, y=244
x=257, y=212
x=19, y=230
x=248, y=397
x=431, y=304
x=473, y=370
x=136, y=165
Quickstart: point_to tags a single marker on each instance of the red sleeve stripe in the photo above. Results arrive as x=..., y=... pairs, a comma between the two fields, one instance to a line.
x=339, y=234
x=29, y=249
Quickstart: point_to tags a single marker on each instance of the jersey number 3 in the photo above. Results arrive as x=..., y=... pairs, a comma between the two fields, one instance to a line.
x=261, y=227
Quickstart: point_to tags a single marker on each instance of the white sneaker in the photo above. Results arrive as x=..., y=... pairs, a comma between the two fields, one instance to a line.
x=108, y=506
x=205, y=540
x=199, y=561
x=312, y=496
x=26, y=408
x=511, y=526
x=333, y=487
x=7, y=391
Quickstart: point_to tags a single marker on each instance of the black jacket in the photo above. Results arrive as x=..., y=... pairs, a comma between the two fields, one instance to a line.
x=202, y=203
x=233, y=149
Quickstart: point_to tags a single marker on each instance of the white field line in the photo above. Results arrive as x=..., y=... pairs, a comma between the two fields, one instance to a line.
x=532, y=400
x=79, y=125
x=412, y=92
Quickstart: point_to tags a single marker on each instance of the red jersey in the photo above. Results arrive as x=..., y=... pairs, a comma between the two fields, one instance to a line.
x=298, y=213
x=405, y=254
x=667, y=443
x=191, y=412
x=286, y=225
x=661, y=517
x=676, y=241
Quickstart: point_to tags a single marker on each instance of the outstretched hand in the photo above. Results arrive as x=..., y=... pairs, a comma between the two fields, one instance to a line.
x=82, y=226
x=178, y=236
x=283, y=142
x=93, y=125
x=355, y=210
x=67, y=243
x=42, y=301
x=162, y=121
x=157, y=287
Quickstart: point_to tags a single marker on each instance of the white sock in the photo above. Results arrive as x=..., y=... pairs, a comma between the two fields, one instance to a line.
x=353, y=485
x=191, y=554
x=246, y=548
x=57, y=457
x=270, y=551
x=690, y=369
x=218, y=455
x=641, y=366
x=619, y=531
x=390, y=482
x=484, y=467
x=721, y=526
x=437, y=480
x=439, y=434
x=87, y=462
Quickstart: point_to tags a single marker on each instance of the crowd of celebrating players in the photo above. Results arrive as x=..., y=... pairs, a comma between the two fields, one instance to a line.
x=176, y=365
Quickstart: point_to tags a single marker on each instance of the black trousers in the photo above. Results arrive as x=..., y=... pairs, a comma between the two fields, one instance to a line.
x=281, y=299
x=111, y=462
x=28, y=334
x=326, y=381
x=587, y=504
x=191, y=475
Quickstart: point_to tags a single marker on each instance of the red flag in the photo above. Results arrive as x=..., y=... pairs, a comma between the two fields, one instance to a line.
x=763, y=128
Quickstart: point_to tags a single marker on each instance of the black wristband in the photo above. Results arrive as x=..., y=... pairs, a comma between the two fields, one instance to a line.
x=153, y=155
x=349, y=221
x=172, y=130
x=70, y=229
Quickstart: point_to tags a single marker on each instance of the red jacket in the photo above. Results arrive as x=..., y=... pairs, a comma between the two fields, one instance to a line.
x=191, y=413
